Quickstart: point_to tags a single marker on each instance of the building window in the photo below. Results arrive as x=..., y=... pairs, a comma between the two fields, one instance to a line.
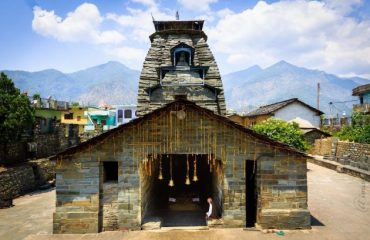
x=78, y=118
x=128, y=113
x=110, y=173
x=68, y=116
x=119, y=115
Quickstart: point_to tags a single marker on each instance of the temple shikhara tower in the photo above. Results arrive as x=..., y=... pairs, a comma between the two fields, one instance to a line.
x=180, y=64
x=159, y=169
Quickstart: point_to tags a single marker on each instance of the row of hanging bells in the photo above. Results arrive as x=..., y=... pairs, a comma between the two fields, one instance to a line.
x=187, y=181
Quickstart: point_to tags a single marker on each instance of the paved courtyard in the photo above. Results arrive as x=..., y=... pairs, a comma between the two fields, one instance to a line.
x=339, y=204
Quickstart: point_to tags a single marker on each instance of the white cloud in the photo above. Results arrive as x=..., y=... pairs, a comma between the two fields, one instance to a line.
x=314, y=34
x=306, y=33
x=81, y=25
x=343, y=6
x=197, y=5
x=138, y=22
x=149, y=3
x=130, y=56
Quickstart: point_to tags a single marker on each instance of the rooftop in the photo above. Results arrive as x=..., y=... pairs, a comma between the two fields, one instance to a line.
x=192, y=27
x=361, y=90
x=272, y=108
x=188, y=104
x=178, y=25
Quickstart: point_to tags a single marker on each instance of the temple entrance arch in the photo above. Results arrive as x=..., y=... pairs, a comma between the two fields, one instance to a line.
x=175, y=195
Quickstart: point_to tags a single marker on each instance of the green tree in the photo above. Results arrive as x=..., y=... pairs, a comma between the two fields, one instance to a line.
x=356, y=133
x=16, y=113
x=282, y=131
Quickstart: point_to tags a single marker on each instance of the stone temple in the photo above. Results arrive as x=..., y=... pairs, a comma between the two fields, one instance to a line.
x=180, y=64
x=158, y=170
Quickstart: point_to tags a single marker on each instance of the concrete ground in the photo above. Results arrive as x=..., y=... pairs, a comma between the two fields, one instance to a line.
x=32, y=214
x=339, y=204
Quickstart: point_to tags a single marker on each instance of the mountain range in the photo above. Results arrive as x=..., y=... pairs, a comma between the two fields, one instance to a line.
x=114, y=83
x=250, y=88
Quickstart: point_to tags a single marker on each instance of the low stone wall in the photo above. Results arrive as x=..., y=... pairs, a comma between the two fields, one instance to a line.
x=24, y=178
x=51, y=142
x=16, y=181
x=322, y=147
x=13, y=154
x=347, y=153
x=40, y=145
x=44, y=170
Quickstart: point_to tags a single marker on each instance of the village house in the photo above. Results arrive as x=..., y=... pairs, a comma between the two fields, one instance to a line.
x=363, y=93
x=99, y=119
x=162, y=166
x=124, y=113
x=74, y=117
x=292, y=110
x=287, y=110
x=104, y=119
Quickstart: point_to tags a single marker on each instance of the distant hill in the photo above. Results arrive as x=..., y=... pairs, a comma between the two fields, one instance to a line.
x=114, y=83
x=253, y=87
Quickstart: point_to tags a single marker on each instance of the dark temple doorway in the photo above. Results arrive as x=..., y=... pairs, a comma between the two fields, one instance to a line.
x=185, y=203
x=250, y=193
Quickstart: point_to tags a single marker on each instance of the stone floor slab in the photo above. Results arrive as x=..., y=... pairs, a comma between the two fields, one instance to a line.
x=339, y=204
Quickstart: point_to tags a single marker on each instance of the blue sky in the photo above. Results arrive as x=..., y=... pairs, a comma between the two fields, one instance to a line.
x=68, y=35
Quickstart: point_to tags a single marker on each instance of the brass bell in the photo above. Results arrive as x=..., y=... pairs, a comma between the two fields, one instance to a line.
x=187, y=182
x=160, y=177
x=195, y=178
x=171, y=183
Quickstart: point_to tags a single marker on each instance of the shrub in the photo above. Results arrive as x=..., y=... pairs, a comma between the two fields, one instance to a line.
x=282, y=131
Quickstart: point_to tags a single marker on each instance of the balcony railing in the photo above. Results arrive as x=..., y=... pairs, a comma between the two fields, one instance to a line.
x=49, y=103
x=362, y=107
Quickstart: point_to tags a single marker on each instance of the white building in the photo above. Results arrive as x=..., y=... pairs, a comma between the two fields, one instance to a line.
x=290, y=110
x=124, y=113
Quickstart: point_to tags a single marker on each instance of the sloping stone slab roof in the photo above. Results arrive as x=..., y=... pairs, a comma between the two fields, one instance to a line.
x=250, y=132
x=308, y=130
x=272, y=108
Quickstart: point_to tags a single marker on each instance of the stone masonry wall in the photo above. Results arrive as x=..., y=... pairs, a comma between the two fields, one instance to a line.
x=159, y=55
x=14, y=153
x=147, y=186
x=282, y=195
x=217, y=191
x=18, y=180
x=48, y=144
x=282, y=183
x=77, y=195
x=347, y=153
x=110, y=206
x=42, y=144
x=322, y=147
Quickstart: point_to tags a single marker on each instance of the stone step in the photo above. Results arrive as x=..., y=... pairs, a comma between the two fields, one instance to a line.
x=185, y=228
